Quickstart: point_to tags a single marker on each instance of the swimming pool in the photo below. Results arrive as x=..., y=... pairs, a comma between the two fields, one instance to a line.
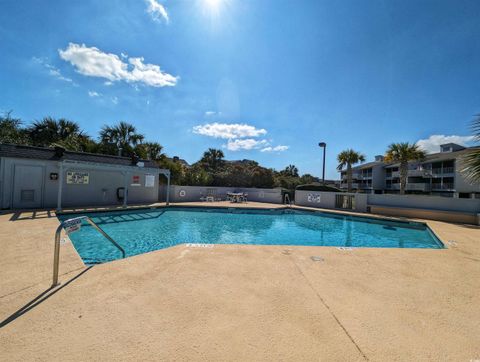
x=141, y=231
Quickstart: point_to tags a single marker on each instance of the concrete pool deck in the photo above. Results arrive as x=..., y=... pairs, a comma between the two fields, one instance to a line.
x=239, y=302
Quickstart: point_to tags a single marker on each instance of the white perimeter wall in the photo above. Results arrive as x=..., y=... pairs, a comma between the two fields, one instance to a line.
x=439, y=207
x=326, y=200
x=426, y=202
x=362, y=201
x=194, y=193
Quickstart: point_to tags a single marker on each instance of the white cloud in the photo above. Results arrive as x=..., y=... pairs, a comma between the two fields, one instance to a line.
x=432, y=143
x=157, y=11
x=212, y=113
x=93, y=94
x=228, y=131
x=53, y=71
x=92, y=62
x=114, y=100
x=279, y=148
x=245, y=144
x=239, y=136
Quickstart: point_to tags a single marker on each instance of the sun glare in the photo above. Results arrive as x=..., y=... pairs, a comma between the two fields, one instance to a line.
x=213, y=7
x=213, y=3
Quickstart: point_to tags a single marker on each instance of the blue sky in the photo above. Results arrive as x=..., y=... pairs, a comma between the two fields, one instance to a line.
x=264, y=80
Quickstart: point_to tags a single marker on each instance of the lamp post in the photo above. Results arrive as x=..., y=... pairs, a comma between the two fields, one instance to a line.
x=324, y=146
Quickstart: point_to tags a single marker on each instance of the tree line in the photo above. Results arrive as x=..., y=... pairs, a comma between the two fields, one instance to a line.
x=120, y=139
x=124, y=139
x=212, y=169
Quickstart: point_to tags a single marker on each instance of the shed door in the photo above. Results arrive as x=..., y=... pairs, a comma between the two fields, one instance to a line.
x=28, y=187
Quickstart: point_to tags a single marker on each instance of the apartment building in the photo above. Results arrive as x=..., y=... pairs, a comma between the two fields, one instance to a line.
x=368, y=177
x=438, y=174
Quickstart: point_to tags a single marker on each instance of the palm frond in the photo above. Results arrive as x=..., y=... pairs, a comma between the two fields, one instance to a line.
x=471, y=160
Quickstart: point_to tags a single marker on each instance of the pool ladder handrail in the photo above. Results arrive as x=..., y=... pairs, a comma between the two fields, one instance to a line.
x=56, y=256
x=285, y=198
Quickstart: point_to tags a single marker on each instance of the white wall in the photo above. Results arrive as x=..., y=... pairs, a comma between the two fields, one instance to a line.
x=426, y=202
x=327, y=199
x=362, y=201
x=194, y=193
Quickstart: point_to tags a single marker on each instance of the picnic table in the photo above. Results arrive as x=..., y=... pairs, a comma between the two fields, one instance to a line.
x=236, y=196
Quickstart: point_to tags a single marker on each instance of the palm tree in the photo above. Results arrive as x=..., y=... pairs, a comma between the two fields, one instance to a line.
x=402, y=153
x=212, y=158
x=11, y=130
x=348, y=158
x=472, y=158
x=149, y=150
x=290, y=170
x=50, y=131
x=124, y=135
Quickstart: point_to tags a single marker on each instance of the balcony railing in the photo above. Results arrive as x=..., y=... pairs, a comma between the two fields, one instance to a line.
x=410, y=187
x=356, y=185
x=344, y=185
x=444, y=186
x=355, y=176
x=444, y=170
x=418, y=173
x=418, y=187
x=365, y=177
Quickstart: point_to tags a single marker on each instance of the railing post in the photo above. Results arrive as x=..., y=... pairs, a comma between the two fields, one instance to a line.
x=56, y=255
x=60, y=187
x=168, y=190
x=125, y=188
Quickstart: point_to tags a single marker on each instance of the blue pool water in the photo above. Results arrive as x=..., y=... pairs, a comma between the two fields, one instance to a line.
x=141, y=231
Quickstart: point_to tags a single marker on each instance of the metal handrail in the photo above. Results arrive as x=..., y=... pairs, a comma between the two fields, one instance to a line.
x=56, y=256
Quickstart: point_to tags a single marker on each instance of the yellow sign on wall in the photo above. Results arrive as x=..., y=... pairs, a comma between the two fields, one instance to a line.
x=78, y=178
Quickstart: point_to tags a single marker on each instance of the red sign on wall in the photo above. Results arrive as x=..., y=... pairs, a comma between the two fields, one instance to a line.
x=135, y=180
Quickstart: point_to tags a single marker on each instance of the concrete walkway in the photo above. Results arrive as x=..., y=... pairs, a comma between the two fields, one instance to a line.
x=239, y=302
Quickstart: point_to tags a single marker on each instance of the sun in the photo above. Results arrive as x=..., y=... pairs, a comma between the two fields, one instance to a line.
x=213, y=9
x=214, y=4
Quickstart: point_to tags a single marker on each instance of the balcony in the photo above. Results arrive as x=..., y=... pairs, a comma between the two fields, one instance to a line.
x=443, y=171
x=356, y=186
x=418, y=187
x=444, y=186
x=419, y=173
x=366, y=176
x=410, y=187
x=355, y=176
